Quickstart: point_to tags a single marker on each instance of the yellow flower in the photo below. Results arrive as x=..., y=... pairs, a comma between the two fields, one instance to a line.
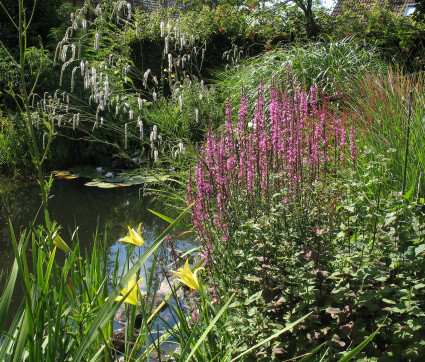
x=58, y=241
x=134, y=237
x=133, y=287
x=187, y=276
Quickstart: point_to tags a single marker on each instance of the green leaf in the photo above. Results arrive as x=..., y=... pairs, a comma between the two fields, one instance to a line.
x=7, y=294
x=409, y=193
x=210, y=326
x=360, y=347
x=101, y=184
x=107, y=312
x=390, y=219
x=58, y=241
x=388, y=301
x=253, y=297
x=275, y=335
x=313, y=352
x=166, y=218
x=420, y=249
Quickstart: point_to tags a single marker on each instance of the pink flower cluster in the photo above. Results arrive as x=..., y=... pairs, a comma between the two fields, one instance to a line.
x=285, y=145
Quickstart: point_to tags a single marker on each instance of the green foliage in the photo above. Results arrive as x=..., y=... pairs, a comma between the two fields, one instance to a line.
x=352, y=256
x=66, y=314
x=382, y=108
x=56, y=299
x=46, y=15
x=15, y=158
x=398, y=38
x=329, y=67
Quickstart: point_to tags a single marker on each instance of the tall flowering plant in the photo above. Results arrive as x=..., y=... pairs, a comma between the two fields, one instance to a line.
x=274, y=156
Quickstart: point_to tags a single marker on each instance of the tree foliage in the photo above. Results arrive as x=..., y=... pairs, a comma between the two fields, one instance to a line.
x=47, y=15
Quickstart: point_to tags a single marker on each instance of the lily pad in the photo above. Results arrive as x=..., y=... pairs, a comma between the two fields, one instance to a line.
x=101, y=184
x=116, y=179
x=89, y=172
x=64, y=174
x=98, y=178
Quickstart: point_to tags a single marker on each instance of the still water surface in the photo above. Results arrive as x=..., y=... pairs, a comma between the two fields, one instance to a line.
x=88, y=210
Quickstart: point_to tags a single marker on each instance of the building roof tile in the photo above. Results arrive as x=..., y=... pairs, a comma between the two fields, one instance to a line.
x=353, y=4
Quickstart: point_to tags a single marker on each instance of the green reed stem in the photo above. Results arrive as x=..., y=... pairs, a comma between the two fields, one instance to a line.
x=407, y=140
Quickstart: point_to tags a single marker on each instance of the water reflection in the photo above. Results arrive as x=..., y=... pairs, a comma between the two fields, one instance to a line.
x=85, y=209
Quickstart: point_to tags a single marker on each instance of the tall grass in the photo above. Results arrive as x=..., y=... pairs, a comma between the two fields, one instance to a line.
x=329, y=66
x=382, y=108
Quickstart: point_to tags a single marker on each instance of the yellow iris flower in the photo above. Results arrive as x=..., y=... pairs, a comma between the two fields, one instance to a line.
x=187, y=277
x=58, y=241
x=134, y=237
x=133, y=287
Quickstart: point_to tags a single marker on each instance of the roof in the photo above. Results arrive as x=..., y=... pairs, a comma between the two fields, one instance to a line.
x=400, y=7
x=152, y=5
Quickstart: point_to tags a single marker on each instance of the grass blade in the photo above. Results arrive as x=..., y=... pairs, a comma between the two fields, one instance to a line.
x=166, y=218
x=7, y=294
x=210, y=326
x=359, y=348
x=108, y=310
x=313, y=352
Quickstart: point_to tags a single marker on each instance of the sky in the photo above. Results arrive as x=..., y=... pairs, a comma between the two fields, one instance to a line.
x=328, y=3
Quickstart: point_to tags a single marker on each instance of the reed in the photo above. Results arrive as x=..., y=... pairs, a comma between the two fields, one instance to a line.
x=390, y=113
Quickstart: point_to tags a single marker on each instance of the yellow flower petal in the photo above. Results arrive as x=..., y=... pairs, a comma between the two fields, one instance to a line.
x=134, y=237
x=188, y=277
x=58, y=241
x=133, y=288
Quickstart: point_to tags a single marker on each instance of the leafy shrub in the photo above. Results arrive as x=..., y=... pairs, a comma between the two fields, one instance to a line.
x=398, y=38
x=15, y=158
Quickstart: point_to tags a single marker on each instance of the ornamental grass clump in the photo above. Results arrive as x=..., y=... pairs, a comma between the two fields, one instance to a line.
x=280, y=154
x=390, y=111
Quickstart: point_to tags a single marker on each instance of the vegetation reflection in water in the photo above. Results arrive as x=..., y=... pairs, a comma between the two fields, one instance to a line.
x=82, y=212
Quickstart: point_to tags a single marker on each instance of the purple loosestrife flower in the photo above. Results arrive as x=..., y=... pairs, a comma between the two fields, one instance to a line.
x=284, y=146
x=276, y=129
x=195, y=315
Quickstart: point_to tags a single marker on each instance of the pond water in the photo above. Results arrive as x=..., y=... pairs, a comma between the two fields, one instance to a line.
x=88, y=210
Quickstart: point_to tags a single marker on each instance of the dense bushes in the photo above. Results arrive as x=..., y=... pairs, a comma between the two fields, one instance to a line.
x=15, y=158
x=398, y=38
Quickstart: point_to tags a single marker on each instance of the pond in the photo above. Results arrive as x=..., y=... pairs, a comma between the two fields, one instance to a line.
x=88, y=210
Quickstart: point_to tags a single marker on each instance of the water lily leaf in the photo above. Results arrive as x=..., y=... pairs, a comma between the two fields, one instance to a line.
x=89, y=172
x=101, y=184
x=122, y=185
x=113, y=179
x=61, y=173
x=98, y=178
